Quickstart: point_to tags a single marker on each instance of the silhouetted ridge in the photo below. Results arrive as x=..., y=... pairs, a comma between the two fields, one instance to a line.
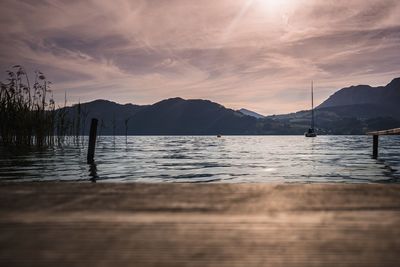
x=388, y=95
x=351, y=110
x=179, y=116
x=394, y=84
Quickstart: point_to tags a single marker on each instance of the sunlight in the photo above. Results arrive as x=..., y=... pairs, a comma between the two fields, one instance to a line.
x=277, y=6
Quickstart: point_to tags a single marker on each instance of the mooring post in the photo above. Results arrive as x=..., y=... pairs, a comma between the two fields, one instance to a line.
x=92, y=141
x=376, y=135
x=375, y=146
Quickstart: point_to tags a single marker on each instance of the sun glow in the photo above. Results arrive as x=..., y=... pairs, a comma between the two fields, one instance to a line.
x=277, y=6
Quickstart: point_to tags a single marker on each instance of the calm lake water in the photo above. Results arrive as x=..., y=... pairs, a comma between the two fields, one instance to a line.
x=230, y=159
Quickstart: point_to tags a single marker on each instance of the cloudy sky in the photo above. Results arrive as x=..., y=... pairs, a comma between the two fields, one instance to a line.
x=258, y=54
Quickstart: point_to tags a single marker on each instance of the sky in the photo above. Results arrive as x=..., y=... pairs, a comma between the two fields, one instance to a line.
x=256, y=54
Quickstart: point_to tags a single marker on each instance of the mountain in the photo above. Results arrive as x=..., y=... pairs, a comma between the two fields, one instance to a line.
x=111, y=115
x=364, y=101
x=174, y=116
x=351, y=110
x=365, y=94
x=107, y=109
x=250, y=113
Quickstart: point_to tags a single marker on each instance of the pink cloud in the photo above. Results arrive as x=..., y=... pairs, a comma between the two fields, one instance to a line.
x=241, y=53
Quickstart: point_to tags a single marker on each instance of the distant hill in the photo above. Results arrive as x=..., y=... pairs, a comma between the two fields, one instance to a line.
x=108, y=113
x=107, y=109
x=352, y=110
x=190, y=117
x=174, y=116
x=250, y=113
x=364, y=101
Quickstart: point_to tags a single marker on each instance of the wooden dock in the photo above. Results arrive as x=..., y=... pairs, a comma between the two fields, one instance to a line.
x=79, y=224
x=375, y=139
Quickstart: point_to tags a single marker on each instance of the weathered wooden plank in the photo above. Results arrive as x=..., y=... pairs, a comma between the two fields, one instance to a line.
x=395, y=131
x=50, y=224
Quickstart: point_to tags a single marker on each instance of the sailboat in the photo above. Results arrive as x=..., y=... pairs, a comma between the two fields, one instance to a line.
x=311, y=131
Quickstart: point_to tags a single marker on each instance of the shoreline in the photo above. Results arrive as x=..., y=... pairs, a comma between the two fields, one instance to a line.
x=181, y=224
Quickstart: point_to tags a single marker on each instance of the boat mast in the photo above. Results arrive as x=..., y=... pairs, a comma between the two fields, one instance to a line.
x=312, y=105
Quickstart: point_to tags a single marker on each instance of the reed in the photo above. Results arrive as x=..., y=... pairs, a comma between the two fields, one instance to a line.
x=63, y=123
x=28, y=116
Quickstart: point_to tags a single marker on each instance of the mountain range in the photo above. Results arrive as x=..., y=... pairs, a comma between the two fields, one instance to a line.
x=351, y=110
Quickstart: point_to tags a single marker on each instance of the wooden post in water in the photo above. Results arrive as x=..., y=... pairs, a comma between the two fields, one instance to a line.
x=375, y=146
x=92, y=141
x=376, y=135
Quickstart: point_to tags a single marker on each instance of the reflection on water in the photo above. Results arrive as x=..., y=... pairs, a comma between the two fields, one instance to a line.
x=210, y=159
x=93, y=172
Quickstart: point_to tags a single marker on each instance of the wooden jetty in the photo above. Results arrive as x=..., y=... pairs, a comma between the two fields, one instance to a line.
x=376, y=135
x=87, y=224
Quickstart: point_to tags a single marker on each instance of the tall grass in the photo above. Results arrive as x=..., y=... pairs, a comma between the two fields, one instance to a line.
x=28, y=114
x=63, y=124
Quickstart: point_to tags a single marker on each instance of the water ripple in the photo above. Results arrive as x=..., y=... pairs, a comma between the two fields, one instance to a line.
x=233, y=159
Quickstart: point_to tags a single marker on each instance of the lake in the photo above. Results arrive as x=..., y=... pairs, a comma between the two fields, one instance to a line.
x=193, y=159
